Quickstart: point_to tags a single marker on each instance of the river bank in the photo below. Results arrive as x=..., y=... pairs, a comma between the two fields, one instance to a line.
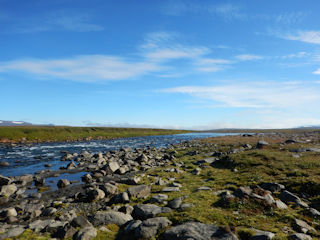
x=231, y=187
x=45, y=134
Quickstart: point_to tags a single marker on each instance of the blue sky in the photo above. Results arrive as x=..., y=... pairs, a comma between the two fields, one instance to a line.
x=169, y=63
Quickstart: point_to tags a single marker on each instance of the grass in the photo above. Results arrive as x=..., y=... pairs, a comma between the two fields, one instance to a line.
x=48, y=134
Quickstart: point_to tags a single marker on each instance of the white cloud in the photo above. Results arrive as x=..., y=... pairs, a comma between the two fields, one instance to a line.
x=305, y=36
x=228, y=11
x=258, y=105
x=254, y=95
x=87, y=68
x=317, y=71
x=248, y=57
x=177, y=52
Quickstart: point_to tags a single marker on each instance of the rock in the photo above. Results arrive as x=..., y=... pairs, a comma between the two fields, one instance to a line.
x=47, y=165
x=95, y=194
x=171, y=189
x=53, y=226
x=140, y=191
x=121, y=198
x=9, y=212
x=150, y=227
x=49, y=211
x=13, y=232
x=197, y=231
x=145, y=211
x=273, y=187
x=38, y=181
x=313, y=213
x=87, y=178
x=111, y=217
x=288, y=197
x=159, y=198
x=81, y=222
x=161, y=182
x=113, y=166
x=62, y=183
x=196, y=171
x=242, y=192
x=85, y=234
x=262, y=144
x=38, y=225
x=262, y=235
x=204, y=188
x=302, y=226
x=8, y=190
x=71, y=165
x=127, y=209
x=281, y=205
x=109, y=189
x=175, y=203
x=300, y=236
x=4, y=164
x=132, y=226
x=206, y=160
x=28, y=178
x=65, y=232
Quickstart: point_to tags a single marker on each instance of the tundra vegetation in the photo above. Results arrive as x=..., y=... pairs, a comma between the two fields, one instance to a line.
x=249, y=186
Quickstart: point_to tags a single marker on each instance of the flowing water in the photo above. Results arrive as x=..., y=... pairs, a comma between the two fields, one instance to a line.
x=30, y=159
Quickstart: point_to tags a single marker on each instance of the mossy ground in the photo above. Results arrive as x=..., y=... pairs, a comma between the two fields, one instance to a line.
x=47, y=134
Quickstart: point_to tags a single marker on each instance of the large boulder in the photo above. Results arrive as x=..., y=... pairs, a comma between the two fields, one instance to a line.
x=289, y=197
x=197, y=231
x=111, y=217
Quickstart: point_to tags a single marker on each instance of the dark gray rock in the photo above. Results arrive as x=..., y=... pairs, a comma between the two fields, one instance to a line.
x=149, y=228
x=85, y=234
x=62, y=183
x=288, y=197
x=159, y=198
x=175, y=203
x=300, y=236
x=197, y=231
x=145, y=211
x=262, y=235
x=81, y=222
x=273, y=187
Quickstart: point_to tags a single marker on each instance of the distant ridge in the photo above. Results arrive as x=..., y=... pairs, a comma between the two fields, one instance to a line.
x=5, y=123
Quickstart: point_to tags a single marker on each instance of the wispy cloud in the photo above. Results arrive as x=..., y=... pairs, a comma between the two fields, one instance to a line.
x=177, y=52
x=304, y=36
x=226, y=11
x=55, y=21
x=248, y=57
x=254, y=94
x=269, y=105
x=88, y=68
x=317, y=71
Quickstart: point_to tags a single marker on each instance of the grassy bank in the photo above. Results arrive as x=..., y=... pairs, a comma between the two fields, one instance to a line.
x=48, y=134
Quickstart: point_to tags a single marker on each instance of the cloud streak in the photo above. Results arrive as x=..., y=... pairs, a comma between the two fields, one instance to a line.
x=304, y=36
x=87, y=68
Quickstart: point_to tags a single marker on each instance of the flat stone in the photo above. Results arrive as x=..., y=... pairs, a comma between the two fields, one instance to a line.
x=171, y=189
x=110, y=217
x=139, y=191
x=145, y=211
x=159, y=198
x=288, y=197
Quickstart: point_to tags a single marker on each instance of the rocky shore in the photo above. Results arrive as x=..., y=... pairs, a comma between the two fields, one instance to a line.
x=148, y=193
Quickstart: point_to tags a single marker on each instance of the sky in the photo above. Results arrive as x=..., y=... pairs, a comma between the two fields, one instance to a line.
x=181, y=64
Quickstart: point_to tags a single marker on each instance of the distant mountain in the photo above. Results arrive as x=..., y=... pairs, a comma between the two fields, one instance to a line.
x=14, y=123
x=20, y=123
